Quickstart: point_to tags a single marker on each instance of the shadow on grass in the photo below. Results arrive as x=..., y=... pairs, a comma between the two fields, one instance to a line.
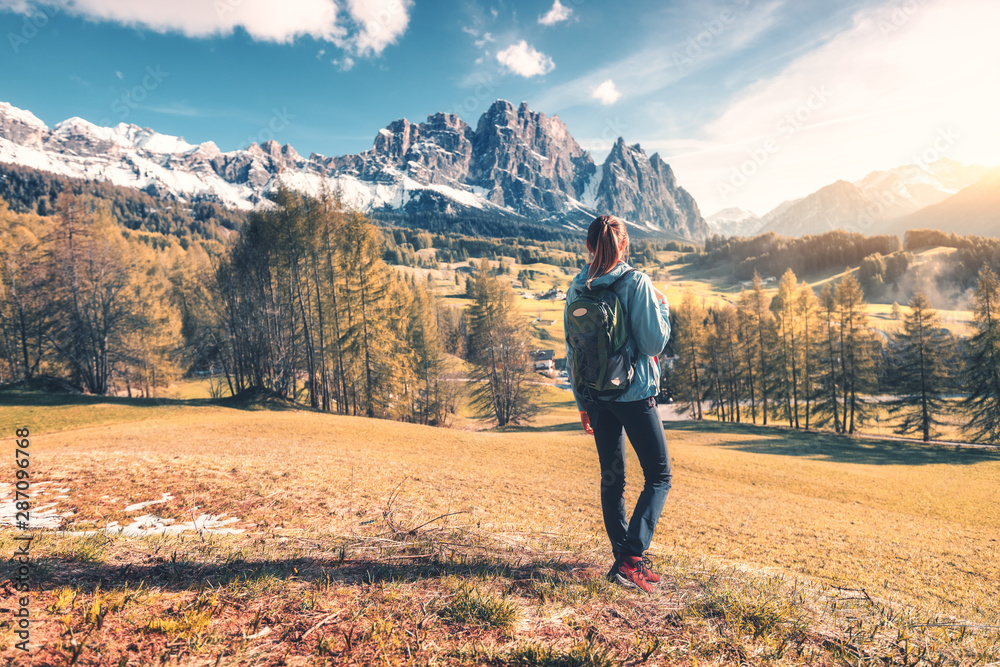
x=527, y=428
x=836, y=448
x=49, y=573
x=21, y=398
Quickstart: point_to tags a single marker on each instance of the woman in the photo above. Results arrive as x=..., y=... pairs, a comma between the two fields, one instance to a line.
x=648, y=317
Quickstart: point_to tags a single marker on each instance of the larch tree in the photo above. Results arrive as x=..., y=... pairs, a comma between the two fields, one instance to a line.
x=498, y=348
x=982, y=377
x=691, y=346
x=857, y=358
x=923, y=353
x=829, y=376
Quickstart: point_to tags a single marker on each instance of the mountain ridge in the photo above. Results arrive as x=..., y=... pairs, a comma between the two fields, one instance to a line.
x=868, y=204
x=516, y=163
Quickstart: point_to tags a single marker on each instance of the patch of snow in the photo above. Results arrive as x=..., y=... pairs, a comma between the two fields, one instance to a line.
x=150, y=524
x=39, y=516
x=139, y=506
x=589, y=197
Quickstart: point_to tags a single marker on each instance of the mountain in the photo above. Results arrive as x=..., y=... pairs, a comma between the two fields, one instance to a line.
x=734, y=221
x=516, y=163
x=974, y=210
x=865, y=205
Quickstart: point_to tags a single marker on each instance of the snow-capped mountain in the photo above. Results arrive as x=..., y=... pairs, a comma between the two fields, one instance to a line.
x=974, y=210
x=734, y=221
x=515, y=163
x=865, y=205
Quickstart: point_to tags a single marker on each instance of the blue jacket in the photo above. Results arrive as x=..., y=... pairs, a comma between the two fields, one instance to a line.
x=649, y=327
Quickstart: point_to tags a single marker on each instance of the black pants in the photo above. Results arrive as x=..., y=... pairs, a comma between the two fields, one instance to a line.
x=641, y=422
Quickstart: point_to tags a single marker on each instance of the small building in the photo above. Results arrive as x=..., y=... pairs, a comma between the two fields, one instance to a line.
x=554, y=294
x=543, y=355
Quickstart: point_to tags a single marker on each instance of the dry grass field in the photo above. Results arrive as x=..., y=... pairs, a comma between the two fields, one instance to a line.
x=319, y=539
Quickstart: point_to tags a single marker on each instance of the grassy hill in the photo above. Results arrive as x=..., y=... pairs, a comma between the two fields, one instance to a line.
x=373, y=542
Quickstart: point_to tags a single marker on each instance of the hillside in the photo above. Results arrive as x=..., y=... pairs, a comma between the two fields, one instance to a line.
x=353, y=540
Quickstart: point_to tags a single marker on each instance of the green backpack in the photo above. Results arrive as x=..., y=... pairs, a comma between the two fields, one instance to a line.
x=597, y=332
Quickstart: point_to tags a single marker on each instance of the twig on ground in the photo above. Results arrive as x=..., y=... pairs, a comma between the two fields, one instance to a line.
x=315, y=627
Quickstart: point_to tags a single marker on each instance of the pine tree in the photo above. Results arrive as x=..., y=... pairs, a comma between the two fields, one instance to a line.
x=807, y=306
x=498, y=350
x=785, y=307
x=922, y=370
x=857, y=358
x=829, y=376
x=24, y=320
x=725, y=362
x=758, y=340
x=91, y=275
x=983, y=368
x=690, y=344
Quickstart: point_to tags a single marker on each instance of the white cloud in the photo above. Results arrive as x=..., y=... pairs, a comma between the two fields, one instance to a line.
x=344, y=64
x=652, y=67
x=380, y=23
x=557, y=14
x=119, y=75
x=525, y=60
x=606, y=93
x=363, y=27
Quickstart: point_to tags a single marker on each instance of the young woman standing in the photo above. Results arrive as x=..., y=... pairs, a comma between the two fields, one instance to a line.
x=634, y=412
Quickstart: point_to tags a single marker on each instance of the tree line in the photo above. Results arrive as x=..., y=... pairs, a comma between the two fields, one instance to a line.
x=301, y=306
x=813, y=360
x=29, y=190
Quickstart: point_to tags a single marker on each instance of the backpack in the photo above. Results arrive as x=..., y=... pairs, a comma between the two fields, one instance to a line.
x=597, y=331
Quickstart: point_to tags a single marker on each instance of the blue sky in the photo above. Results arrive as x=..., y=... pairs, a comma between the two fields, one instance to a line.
x=750, y=102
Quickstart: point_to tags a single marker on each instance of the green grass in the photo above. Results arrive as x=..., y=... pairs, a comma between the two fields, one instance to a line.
x=469, y=605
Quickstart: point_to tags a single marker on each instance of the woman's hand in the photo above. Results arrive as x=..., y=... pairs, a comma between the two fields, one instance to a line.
x=585, y=420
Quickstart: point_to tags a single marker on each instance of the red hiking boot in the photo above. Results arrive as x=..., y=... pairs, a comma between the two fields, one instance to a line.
x=642, y=564
x=628, y=575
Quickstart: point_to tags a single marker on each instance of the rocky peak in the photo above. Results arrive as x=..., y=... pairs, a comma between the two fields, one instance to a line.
x=644, y=191
x=526, y=160
x=22, y=127
x=514, y=162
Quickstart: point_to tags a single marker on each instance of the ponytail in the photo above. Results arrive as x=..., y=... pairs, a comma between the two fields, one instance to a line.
x=607, y=238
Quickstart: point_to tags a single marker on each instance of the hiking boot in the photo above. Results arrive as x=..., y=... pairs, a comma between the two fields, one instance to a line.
x=642, y=564
x=628, y=575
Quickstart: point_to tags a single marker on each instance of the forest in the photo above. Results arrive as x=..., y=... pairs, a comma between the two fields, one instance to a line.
x=814, y=360
x=118, y=292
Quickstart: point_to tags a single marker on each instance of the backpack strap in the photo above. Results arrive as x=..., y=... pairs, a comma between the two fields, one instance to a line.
x=612, y=285
x=619, y=278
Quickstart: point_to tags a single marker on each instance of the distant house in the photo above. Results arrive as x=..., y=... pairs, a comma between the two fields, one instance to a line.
x=546, y=365
x=554, y=294
x=543, y=355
